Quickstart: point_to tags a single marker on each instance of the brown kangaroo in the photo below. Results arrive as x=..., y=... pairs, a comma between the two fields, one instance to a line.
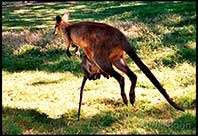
x=105, y=46
x=91, y=72
x=77, y=49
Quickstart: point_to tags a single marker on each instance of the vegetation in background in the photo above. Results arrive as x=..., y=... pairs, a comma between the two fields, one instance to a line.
x=40, y=84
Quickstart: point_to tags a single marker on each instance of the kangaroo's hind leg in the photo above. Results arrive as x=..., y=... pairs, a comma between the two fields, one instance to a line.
x=120, y=63
x=107, y=68
x=81, y=94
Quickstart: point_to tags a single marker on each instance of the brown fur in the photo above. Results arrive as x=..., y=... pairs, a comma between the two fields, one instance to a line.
x=105, y=46
x=90, y=70
x=58, y=31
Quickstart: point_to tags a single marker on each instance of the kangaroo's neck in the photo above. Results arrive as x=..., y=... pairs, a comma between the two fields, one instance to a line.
x=65, y=24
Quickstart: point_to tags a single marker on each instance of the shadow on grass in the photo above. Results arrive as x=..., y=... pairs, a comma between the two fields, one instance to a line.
x=34, y=17
x=30, y=121
x=31, y=17
x=20, y=121
x=30, y=52
x=44, y=82
x=183, y=52
x=52, y=60
x=183, y=124
x=44, y=15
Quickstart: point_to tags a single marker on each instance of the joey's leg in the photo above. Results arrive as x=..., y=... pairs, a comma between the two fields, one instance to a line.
x=81, y=94
x=106, y=67
x=121, y=65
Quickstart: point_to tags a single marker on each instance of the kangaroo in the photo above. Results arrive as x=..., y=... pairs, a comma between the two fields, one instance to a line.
x=91, y=72
x=105, y=46
x=77, y=49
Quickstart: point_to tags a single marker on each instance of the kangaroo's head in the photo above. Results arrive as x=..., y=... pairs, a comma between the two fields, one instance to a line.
x=61, y=23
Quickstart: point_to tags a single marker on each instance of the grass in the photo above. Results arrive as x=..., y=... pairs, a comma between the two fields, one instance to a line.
x=40, y=90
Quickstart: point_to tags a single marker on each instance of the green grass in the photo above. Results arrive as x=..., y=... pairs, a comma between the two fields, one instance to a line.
x=40, y=90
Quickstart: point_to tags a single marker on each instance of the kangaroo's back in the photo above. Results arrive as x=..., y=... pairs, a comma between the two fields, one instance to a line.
x=95, y=33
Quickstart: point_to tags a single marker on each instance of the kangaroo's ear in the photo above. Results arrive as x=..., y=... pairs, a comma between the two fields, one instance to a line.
x=65, y=17
x=58, y=19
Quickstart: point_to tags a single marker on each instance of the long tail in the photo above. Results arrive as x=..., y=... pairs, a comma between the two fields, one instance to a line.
x=150, y=75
